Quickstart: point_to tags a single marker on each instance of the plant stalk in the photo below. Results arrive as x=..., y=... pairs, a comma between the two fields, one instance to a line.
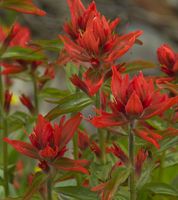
x=3, y=122
x=49, y=188
x=101, y=133
x=35, y=90
x=131, y=147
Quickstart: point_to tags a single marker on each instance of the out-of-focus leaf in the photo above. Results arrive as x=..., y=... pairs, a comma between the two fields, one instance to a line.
x=24, y=6
x=145, y=176
x=69, y=104
x=122, y=194
x=162, y=189
x=18, y=120
x=139, y=65
x=22, y=53
x=157, y=123
x=168, y=143
x=171, y=159
x=80, y=193
x=38, y=180
x=99, y=172
x=53, y=45
x=53, y=93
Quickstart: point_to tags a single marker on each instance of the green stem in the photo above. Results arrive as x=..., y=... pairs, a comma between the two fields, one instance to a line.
x=101, y=133
x=35, y=90
x=76, y=155
x=3, y=122
x=131, y=147
x=5, y=158
x=49, y=188
x=75, y=139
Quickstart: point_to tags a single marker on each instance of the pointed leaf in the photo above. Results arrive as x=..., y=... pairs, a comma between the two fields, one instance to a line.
x=69, y=104
x=162, y=189
x=80, y=193
x=22, y=53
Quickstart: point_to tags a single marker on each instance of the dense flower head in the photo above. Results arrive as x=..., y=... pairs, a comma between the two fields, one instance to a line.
x=93, y=41
x=133, y=99
x=168, y=59
x=48, y=143
x=79, y=18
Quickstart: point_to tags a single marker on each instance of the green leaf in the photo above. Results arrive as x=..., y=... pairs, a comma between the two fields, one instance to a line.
x=69, y=104
x=157, y=123
x=53, y=93
x=38, y=180
x=80, y=193
x=23, y=6
x=162, y=189
x=53, y=45
x=22, y=53
x=139, y=65
x=168, y=143
x=99, y=172
x=171, y=159
x=18, y=120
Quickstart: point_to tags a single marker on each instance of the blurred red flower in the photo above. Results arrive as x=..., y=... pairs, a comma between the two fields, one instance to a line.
x=168, y=59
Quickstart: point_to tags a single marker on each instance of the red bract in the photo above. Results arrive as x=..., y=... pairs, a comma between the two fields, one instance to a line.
x=7, y=100
x=25, y=100
x=89, y=86
x=118, y=152
x=133, y=99
x=139, y=160
x=83, y=140
x=48, y=143
x=79, y=17
x=23, y=6
x=18, y=36
x=168, y=59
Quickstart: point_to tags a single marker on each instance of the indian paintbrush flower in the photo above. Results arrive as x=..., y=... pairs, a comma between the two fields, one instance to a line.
x=48, y=144
x=133, y=99
x=168, y=60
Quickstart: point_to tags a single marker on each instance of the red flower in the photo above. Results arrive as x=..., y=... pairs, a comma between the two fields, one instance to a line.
x=25, y=100
x=23, y=6
x=168, y=59
x=48, y=144
x=133, y=99
x=98, y=45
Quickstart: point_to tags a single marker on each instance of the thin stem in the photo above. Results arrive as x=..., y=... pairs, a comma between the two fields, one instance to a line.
x=101, y=133
x=131, y=147
x=75, y=140
x=49, y=188
x=76, y=155
x=3, y=122
x=5, y=158
x=35, y=89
